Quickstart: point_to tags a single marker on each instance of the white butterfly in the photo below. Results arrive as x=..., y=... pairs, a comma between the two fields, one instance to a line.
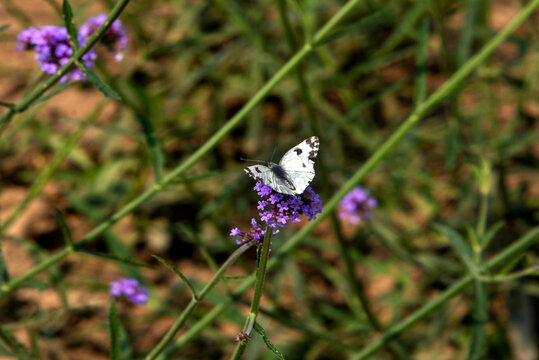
x=293, y=173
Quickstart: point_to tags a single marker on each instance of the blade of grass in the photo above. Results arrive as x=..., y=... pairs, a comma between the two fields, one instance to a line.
x=461, y=248
x=156, y=153
x=420, y=90
x=480, y=318
x=180, y=275
x=98, y=83
x=67, y=13
x=114, y=332
x=65, y=228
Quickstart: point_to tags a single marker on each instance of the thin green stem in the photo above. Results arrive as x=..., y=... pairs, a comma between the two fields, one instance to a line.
x=203, y=150
x=31, y=97
x=482, y=217
x=509, y=252
x=376, y=158
x=257, y=296
x=195, y=301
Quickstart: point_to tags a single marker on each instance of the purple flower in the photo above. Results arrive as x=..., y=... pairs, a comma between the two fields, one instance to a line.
x=356, y=205
x=131, y=289
x=115, y=38
x=278, y=210
x=51, y=43
x=53, y=49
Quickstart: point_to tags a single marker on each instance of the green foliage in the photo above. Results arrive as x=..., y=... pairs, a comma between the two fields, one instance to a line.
x=430, y=105
x=67, y=13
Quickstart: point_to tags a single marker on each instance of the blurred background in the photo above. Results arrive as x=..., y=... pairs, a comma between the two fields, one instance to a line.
x=188, y=68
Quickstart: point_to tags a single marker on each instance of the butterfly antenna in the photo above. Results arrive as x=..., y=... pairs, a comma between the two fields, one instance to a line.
x=258, y=161
x=272, y=155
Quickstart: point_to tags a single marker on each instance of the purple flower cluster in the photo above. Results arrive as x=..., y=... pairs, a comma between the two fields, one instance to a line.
x=115, y=38
x=53, y=49
x=278, y=211
x=131, y=289
x=356, y=205
x=51, y=43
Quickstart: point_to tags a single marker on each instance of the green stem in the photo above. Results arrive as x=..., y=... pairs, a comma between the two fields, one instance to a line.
x=30, y=98
x=203, y=150
x=482, y=218
x=508, y=253
x=434, y=99
x=195, y=301
x=257, y=296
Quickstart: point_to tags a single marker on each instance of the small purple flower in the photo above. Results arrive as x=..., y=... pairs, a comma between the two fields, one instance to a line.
x=115, y=38
x=356, y=205
x=51, y=43
x=131, y=289
x=278, y=210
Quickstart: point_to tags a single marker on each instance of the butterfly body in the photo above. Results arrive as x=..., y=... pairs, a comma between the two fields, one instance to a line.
x=293, y=173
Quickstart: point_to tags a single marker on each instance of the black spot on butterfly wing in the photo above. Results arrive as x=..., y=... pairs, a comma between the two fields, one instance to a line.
x=251, y=174
x=298, y=151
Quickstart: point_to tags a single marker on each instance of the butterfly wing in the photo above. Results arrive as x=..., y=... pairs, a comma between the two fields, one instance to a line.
x=265, y=175
x=298, y=165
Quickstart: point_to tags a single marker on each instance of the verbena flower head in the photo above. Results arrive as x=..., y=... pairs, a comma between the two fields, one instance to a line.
x=356, y=205
x=115, y=38
x=131, y=289
x=51, y=43
x=278, y=210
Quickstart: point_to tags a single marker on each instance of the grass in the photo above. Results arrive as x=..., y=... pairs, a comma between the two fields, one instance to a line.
x=432, y=107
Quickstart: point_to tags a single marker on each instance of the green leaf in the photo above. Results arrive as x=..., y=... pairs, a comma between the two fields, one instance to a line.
x=462, y=249
x=487, y=238
x=472, y=236
x=182, y=276
x=4, y=27
x=480, y=317
x=67, y=14
x=260, y=330
x=114, y=330
x=420, y=90
x=4, y=274
x=120, y=348
x=156, y=153
x=98, y=83
x=65, y=229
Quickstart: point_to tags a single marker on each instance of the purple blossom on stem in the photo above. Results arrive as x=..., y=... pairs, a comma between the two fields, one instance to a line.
x=356, y=205
x=51, y=43
x=278, y=210
x=131, y=289
x=115, y=38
